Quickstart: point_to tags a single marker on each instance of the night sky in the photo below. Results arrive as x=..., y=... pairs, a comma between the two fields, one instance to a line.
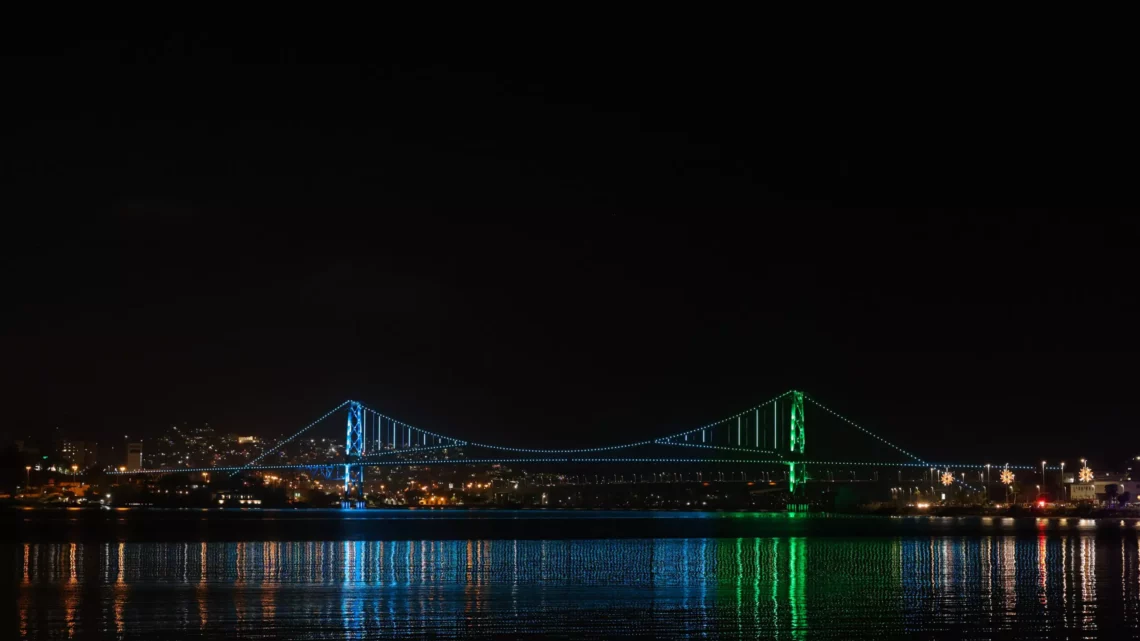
x=581, y=247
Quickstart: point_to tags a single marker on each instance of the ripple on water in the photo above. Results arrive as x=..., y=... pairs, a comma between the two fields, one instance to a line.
x=1057, y=584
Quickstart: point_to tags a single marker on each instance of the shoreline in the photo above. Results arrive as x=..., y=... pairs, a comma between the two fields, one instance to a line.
x=945, y=512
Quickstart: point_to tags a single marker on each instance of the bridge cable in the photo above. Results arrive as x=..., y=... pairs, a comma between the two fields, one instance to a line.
x=877, y=437
x=299, y=432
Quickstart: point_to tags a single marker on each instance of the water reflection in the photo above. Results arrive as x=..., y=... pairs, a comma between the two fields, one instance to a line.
x=773, y=587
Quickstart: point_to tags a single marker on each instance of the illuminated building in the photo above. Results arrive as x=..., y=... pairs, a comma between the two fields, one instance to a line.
x=236, y=499
x=72, y=452
x=134, y=456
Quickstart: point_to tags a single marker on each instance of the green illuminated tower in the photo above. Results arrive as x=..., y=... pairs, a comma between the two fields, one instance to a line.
x=797, y=474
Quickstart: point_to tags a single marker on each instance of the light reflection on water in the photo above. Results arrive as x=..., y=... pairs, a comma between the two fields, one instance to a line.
x=1051, y=586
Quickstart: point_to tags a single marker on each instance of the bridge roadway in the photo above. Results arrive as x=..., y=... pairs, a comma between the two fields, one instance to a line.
x=746, y=430
x=550, y=460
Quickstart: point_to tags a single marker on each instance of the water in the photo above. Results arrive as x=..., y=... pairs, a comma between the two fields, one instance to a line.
x=608, y=576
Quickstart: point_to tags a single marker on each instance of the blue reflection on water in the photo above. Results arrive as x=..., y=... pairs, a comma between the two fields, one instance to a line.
x=772, y=587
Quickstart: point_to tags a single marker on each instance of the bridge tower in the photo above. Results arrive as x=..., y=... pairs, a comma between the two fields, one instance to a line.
x=353, y=451
x=797, y=472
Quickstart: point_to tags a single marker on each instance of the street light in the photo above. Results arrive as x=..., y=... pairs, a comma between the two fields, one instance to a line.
x=987, y=482
x=74, y=469
x=28, y=471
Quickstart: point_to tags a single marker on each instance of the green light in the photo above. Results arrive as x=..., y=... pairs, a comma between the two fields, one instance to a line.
x=775, y=580
x=797, y=474
x=739, y=584
x=797, y=578
x=797, y=423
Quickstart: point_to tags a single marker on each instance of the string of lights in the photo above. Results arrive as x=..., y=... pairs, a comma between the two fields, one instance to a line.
x=672, y=440
x=777, y=461
x=453, y=442
x=885, y=441
x=411, y=427
x=584, y=460
x=860, y=428
x=609, y=448
x=411, y=450
x=721, y=447
x=526, y=450
x=725, y=420
x=298, y=433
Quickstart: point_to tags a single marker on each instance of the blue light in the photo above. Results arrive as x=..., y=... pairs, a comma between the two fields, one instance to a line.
x=354, y=435
x=300, y=432
x=417, y=441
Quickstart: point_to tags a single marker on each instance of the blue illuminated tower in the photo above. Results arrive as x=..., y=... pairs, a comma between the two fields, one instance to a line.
x=353, y=450
x=354, y=438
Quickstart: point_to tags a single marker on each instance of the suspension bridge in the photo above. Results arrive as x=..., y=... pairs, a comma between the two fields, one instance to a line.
x=772, y=433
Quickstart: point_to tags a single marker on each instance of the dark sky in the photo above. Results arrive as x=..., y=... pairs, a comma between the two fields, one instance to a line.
x=569, y=247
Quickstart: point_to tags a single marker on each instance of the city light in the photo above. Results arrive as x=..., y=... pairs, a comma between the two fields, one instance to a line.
x=382, y=448
x=1007, y=476
x=1086, y=474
